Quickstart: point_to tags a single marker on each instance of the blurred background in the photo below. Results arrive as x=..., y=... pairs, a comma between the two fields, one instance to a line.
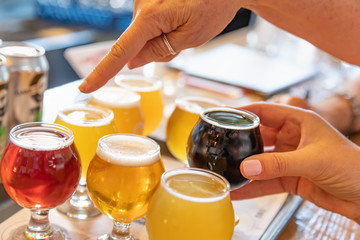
x=59, y=24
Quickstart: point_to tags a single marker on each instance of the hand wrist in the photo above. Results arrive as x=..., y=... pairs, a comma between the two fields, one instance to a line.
x=354, y=107
x=337, y=110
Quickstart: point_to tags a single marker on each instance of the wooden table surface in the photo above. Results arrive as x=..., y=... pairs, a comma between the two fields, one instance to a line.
x=312, y=222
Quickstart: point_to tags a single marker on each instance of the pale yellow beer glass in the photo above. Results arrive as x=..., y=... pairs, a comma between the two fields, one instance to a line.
x=151, y=100
x=182, y=120
x=125, y=104
x=122, y=177
x=191, y=204
x=89, y=124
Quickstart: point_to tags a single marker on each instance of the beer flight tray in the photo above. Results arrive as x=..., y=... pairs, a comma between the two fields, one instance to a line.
x=91, y=228
x=260, y=218
x=291, y=204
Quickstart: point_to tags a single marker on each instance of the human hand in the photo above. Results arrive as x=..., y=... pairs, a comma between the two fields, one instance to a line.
x=187, y=24
x=291, y=100
x=310, y=159
x=334, y=109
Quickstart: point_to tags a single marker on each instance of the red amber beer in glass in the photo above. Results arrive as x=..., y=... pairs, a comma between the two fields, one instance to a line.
x=40, y=170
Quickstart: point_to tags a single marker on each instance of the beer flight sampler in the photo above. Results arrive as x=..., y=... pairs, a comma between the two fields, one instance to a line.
x=124, y=174
x=95, y=157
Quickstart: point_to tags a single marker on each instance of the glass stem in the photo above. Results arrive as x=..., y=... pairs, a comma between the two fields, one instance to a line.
x=39, y=226
x=81, y=197
x=121, y=231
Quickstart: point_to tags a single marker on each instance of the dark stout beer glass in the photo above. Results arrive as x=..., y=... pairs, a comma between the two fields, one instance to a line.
x=222, y=139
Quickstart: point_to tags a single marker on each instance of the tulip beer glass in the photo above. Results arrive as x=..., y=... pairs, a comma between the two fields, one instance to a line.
x=89, y=124
x=151, y=100
x=191, y=204
x=220, y=141
x=181, y=122
x=121, y=178
x=125, y=104
x=40, y=169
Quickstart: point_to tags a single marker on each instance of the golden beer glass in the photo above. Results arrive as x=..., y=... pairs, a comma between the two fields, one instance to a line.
x=182, y=120
x=89, y=124
x=125, y=104
x=191, y=204
x=122, y=177
x=151, y=100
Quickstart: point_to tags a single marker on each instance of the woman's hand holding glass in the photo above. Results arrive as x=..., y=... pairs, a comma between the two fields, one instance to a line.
x=335, y=108
x=310, y=159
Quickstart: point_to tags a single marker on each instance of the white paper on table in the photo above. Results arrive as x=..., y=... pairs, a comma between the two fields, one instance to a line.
x=62, y=96
x=256, y=214
x=244, y=67
x=59, y=97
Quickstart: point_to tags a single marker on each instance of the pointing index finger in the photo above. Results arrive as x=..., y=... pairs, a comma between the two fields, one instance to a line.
x=125, y=48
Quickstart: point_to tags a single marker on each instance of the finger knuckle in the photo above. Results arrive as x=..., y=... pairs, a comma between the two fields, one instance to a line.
x=159, y=50
x=150, y=12
x=278, y=165
x=146, y=13
x=117, y=51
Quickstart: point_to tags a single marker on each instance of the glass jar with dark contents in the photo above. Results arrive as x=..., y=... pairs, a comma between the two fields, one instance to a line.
x=222, y=139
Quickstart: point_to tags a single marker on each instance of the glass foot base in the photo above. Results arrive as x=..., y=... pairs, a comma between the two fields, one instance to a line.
x=72, y=211
x=237, y=220
x=18, y=233
x=108, y=237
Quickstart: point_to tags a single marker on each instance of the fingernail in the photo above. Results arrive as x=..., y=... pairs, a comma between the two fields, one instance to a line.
x=83, y=87
x=252, y=167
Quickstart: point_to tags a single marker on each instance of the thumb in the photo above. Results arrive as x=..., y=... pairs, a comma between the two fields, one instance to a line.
x=273, y=165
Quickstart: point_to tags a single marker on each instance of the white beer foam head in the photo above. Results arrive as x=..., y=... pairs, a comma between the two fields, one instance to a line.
x=195, y=104
x=115, y=97
x=86, y=116
x=138, y=83
x=128, y=150
x=41, y=138
x=20, y=51
x=184, y=196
